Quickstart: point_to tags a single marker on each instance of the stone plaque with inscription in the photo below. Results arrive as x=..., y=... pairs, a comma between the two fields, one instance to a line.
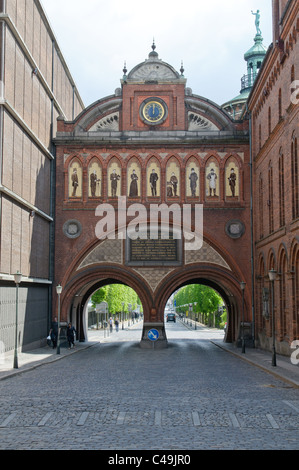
x=153, y=252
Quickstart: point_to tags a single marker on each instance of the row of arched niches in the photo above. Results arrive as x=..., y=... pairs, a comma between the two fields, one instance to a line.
x=216, y=177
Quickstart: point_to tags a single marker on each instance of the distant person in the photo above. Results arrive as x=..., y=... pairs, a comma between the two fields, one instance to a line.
x=70, y=333
x=54, y=332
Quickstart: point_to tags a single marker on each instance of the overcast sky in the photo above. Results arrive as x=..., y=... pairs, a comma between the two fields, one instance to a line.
x=211, y=37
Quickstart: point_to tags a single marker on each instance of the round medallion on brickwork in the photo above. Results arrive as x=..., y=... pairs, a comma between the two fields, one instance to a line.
x=72, y=229
x=235, y=228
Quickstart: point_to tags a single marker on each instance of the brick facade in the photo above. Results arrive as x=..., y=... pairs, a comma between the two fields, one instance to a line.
x=274, y=114
x=111, y=133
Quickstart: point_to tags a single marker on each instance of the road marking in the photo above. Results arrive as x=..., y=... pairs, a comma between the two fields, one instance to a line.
x=8, y=420
x=45, y=419
x=272, y=421
x=121, y=417
x=291, y=405
x=158, y=418
x=234, y=420
x=195, y=417
x=83, y=418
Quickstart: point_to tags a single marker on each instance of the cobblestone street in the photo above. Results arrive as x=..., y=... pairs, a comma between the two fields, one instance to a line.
x=116, y=396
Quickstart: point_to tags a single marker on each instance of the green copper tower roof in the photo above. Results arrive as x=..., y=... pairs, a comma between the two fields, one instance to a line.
x=254, y=58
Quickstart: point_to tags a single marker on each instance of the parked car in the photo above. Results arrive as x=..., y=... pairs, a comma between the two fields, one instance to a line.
x=170, y=317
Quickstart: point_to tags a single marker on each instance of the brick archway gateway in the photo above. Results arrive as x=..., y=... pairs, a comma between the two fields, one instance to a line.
x=82, y=285
x=121, y=156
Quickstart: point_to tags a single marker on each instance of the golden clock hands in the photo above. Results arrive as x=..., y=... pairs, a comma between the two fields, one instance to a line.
x=153, y=108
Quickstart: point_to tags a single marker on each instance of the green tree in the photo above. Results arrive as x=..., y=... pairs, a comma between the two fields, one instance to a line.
x=114, y=295
x=207, y=299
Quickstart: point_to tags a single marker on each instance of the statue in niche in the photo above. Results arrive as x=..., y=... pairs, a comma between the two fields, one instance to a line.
x=172, y=186
x=133, y=186
x=232, y=181
x=114, y=178
x=94, y=181
x=212, y=177
x=193, y=182
x=153, y=182
x=75, y=182
x=257, y=21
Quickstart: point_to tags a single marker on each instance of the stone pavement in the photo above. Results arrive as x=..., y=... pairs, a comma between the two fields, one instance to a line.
x=284, y=370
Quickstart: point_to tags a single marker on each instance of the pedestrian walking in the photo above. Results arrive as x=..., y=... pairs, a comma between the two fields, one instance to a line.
x=116, y=324
x=70, y=332
x=111, y=324
x=54, y=332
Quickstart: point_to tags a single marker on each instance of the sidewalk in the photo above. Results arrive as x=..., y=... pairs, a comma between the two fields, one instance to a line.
x=37, y=357
x=284, y=369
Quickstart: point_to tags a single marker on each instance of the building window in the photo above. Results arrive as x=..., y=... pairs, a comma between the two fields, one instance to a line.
x=292, y=75
x=295, y=189
x=296, y=296
x=260, y=137
x=261, y=207
x=281, y=192
x=270, y=198
x=283, y=298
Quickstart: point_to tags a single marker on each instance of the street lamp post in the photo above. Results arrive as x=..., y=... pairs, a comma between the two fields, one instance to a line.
x=272, y=277
x=58, y=290
x=17, y=278
x=243, y=284
x=122, y=315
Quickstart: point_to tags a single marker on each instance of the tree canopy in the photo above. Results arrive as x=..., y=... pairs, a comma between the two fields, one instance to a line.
x=114, y=295
x=207, y=299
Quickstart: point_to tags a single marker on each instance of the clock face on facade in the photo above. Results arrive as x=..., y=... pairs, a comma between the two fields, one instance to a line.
x=153, y=111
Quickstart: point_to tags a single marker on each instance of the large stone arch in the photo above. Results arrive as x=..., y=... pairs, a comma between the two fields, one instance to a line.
x=216, y=277
x=78, y=289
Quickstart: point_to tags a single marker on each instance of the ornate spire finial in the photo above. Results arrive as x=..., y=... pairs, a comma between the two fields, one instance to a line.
x=125, y=72
x=182, y=69
x=153, y=54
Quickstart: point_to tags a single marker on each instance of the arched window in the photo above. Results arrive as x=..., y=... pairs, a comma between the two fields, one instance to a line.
x=279, y=105
x=283, y=295
x=295, y=182
x=271, y=265
x=295, y=290
x=281, y=191
x=296, y=296
x=292, y=74
x=261, y=207
x=263, y=296
x=260, y=137
x=270, y=198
